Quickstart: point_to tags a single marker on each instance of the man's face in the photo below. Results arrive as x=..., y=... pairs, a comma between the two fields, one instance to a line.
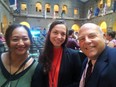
x=91, y=42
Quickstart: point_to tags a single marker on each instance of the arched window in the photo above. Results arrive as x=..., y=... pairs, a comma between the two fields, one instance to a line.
x=38, y=7
x=108, y=2
x=56, y=8
x=100, y=4
x=75, y=11
x=23, y=6
x=75, y=27
x=47, y=7
x=64, y=9
x=103, y=26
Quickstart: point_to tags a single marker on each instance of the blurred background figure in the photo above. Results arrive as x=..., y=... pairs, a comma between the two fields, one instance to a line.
x=2, y=37
x=72, y=42
x=2, y=43
x=105, y=9
x=76, y=35
x=96, y=11
x=114, y=6
x=90, y=13
x=111, y=38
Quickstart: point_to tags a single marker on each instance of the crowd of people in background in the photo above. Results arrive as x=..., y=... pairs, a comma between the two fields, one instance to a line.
x=101, y=10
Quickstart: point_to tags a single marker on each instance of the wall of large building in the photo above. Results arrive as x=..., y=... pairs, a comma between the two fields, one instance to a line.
x=6, y=17
x=109, y=18
x=37, y=18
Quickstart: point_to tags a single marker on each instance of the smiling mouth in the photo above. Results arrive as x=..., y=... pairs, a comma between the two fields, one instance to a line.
x=20, y=48
x=58, y=42
x=89, y=48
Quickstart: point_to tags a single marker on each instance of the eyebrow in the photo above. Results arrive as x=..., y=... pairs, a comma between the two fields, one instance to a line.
x=88, y=35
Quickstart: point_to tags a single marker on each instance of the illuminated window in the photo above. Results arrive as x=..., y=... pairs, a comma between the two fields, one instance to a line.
x=56, y=8
x=100, y=4
x=23, y=7
x=114, y=26
x=103, y=26
x=108, y=3
x=38, y=7
x=47, y=7
x=64, y=9
x=75, y=11
x=75, y=27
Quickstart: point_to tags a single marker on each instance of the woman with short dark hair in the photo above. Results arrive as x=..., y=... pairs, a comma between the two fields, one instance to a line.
x=16, y=66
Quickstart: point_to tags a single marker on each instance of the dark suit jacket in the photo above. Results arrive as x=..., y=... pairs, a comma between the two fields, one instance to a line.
x=104, y=72
x=69, y=73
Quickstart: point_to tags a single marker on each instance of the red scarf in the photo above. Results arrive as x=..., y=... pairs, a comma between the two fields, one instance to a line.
x=54, y=72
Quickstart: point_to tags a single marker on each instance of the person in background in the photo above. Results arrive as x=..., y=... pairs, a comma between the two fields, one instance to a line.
x=61, y=65
x=111, y=38
x=114, y=6
x=2, y=47
x=104, y=10
x=96, y=11
x=2, y=43
x=16, y=66
x=2, y=37
x=90, y=12
x=72, y=43
x=101, y=58
x=76, y=35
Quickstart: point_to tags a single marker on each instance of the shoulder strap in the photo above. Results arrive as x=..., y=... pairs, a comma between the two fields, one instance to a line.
x=15, y=72
x=22, y=65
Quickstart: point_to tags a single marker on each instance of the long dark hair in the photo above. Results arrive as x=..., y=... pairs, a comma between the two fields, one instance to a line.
x=47, y=55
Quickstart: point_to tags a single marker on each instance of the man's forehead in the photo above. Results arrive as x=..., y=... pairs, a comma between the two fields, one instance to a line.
x=87, y=30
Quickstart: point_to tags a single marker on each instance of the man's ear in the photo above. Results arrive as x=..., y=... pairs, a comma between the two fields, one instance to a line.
x=104, y=36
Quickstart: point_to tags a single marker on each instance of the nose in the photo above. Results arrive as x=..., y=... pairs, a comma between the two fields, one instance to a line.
x=20, y=42
x=87, y=40
x=59, y=36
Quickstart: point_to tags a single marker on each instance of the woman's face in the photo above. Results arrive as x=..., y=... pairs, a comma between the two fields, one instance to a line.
x=19, y=41
x=58, y=35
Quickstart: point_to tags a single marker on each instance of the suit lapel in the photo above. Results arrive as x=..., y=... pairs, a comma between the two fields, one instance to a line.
x=99, y=67
x=64, y=55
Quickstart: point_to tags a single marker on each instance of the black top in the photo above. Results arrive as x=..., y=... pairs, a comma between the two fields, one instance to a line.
x=69, y=74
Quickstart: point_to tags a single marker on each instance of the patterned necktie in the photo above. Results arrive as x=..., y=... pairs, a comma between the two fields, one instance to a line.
x=88, y=73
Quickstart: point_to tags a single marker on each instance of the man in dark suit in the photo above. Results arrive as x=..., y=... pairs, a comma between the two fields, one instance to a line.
x=103, y=58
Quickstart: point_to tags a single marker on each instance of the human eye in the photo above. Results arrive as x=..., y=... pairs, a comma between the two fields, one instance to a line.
x=14, y=39
x=25, y=38
x=55, y=32
x=81, y=39
x=63, y=34
x=92, y=36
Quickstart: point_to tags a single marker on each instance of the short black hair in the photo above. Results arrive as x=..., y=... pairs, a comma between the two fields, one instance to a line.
x=70, y=32
x=11, y=28
x=111, y=33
